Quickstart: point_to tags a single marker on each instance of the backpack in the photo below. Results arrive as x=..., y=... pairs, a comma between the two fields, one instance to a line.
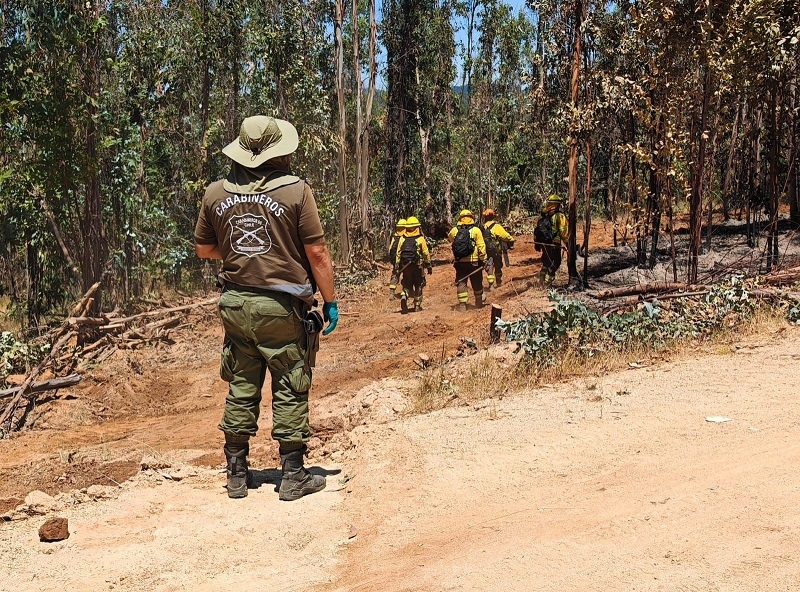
x=463, y=243
x=492, y=248
x=543, y=233
x=408, y=251
x=393, y=248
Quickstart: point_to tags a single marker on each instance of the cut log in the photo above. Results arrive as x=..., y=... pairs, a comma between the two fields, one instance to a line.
x=86, y=321
x=782, y=278
x=45, y=385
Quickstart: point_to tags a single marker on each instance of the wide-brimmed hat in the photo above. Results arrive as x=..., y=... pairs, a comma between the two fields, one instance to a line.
x=261, y=138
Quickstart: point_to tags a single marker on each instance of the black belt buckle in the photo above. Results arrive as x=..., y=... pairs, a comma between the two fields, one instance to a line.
x=313, y=322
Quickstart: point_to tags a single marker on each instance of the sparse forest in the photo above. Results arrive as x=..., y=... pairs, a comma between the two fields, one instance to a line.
x=633, y=428
x=112, y=117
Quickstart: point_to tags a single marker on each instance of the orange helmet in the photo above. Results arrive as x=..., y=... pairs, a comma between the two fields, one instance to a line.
x=488, y=213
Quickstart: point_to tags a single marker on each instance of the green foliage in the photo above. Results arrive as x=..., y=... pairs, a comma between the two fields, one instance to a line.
x=793, y=314
x=572, y=324
x=18, y=357
x=158, y=88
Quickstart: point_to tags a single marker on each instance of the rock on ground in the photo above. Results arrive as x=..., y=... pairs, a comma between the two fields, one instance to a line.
x=55, y=529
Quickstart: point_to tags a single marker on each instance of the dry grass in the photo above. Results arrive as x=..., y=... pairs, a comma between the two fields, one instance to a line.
x=484, y=376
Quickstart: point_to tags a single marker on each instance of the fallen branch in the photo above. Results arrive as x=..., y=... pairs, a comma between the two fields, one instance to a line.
x=8, y=413
x=635, y=300
x=647, y=288
x=86, y=321
x=60, y=337
x=45, y=385
x=779, y=279
x=164, y=311
x=775, y=294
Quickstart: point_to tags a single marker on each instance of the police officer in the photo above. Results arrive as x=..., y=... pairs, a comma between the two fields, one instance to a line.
x=263, y=223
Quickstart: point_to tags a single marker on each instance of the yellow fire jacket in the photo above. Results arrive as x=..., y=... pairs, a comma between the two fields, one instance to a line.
x=423, y=252
x=479, y=252
x=499, y=233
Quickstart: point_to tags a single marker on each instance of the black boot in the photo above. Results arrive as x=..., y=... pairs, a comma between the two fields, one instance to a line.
x=236, y=450
x=297, y=481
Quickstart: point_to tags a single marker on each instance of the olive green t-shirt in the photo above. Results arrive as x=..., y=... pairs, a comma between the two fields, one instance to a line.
x=261, y=236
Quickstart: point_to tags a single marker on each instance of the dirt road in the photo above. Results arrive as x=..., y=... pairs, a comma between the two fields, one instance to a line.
x=614, y=482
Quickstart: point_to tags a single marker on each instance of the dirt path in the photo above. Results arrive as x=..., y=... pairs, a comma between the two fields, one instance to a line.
x=172, y=398
x=614, y=482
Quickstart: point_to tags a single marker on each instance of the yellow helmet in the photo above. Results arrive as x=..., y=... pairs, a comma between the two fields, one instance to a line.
x=465, y=214
x=401, y=223
x=411, y=222
x=555, y=198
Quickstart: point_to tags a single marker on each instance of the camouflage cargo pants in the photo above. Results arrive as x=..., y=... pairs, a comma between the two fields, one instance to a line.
x=265, y=332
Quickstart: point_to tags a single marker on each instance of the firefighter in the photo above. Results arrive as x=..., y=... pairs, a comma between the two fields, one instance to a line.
x=412, y=257
x=551, y=231
x=502, y=242
x=399, y=232
x=469, y=252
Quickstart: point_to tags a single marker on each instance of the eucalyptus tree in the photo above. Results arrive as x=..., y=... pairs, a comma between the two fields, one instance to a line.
x=418, y=38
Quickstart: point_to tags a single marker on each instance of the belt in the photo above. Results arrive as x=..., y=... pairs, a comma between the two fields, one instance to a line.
x=253, y=289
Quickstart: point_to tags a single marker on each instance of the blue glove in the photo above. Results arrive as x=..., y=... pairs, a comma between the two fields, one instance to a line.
x=330, y=312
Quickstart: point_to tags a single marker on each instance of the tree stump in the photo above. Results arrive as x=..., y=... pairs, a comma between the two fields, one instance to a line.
x=494, y=332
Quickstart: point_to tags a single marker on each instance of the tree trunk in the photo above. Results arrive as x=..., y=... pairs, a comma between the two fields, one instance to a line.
x=710, y=176
x=400, y=102
x=33, y=285
x=726, y=185
x=364, y=188
x=424, y=140
x=94, y=245
x=655, y=191
x=363, y=209
x=696, y=200
x=466, y=73
x=344, y=232
x=794, y=137
x=572, y=266
x=671, y=229
x=772, y=185
x=615, y=197
x=587, y=221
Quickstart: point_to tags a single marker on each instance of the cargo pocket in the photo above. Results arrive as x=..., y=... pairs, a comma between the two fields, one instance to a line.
x=227, y=362
x=300, y=378
x=231, y=311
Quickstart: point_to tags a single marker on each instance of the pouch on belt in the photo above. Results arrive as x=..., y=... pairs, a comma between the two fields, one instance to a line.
x=313, y=323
